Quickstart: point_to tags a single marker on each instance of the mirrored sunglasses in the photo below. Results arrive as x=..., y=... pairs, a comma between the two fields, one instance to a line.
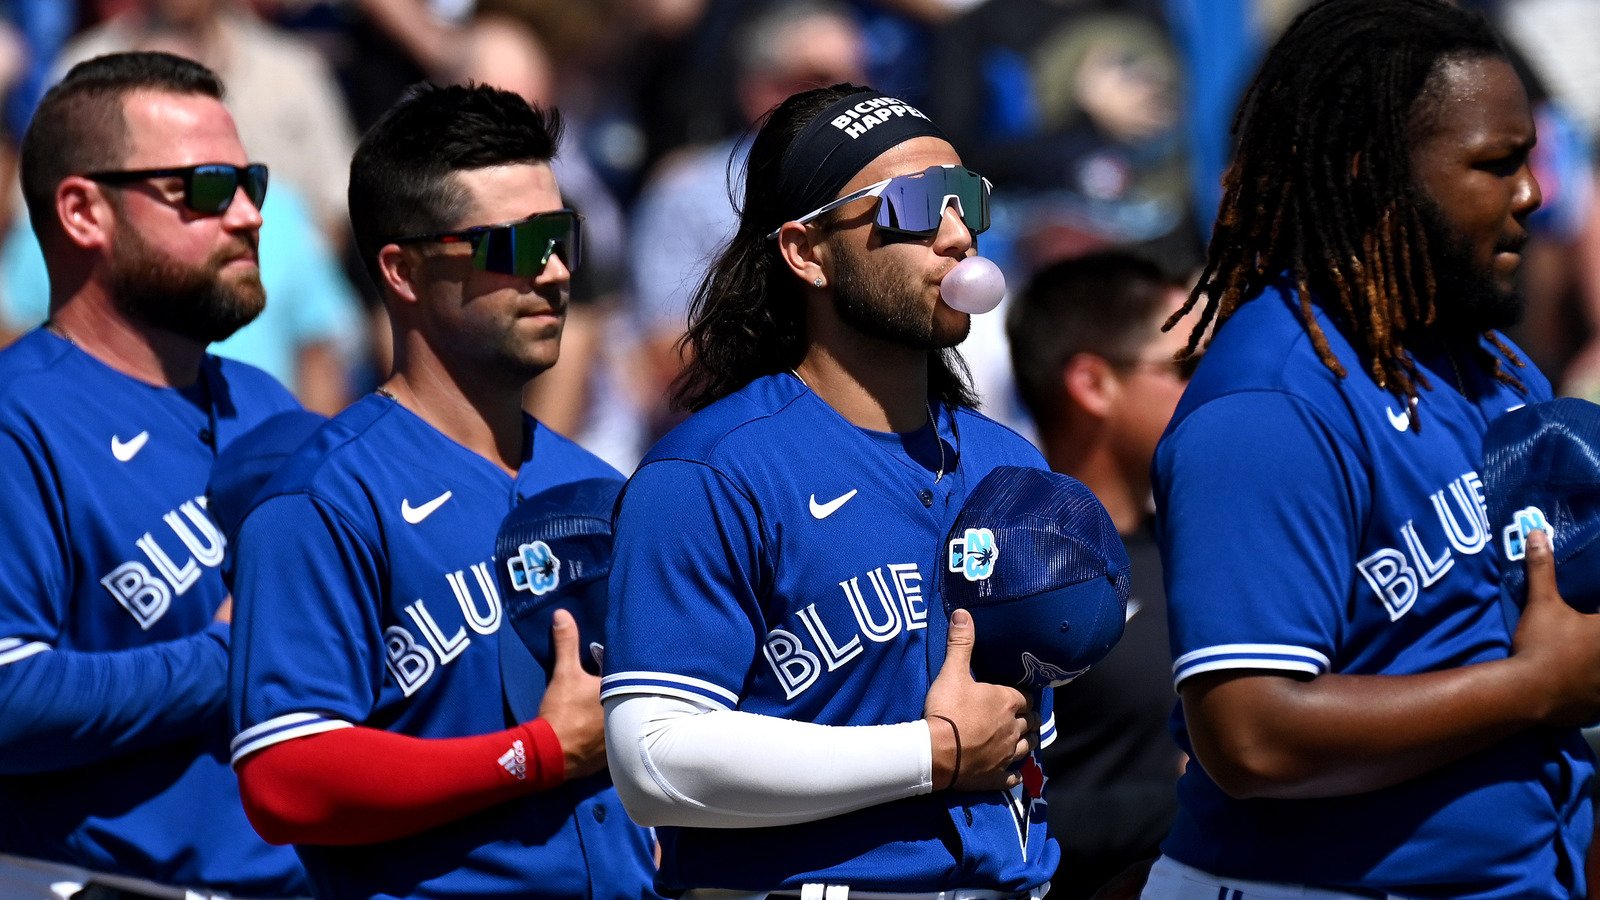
x=915, y=204
x=208, y=188
x=522, y=248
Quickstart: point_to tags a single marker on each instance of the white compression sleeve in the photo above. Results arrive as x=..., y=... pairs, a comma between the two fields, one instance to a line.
x=675, y=762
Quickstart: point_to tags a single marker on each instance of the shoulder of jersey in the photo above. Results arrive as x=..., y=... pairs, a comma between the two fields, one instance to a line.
x=977, y=427
x=722, y=428
x=1538, y=386
x=1265, y=347
x=555, y=449
x=323, y=456
x=254, y=380
x=29, y=357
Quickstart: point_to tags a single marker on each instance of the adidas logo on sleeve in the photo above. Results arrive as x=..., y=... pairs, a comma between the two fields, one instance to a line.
x=515, y=761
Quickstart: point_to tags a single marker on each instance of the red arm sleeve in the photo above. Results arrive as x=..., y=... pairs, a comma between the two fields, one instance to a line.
x=363, y=785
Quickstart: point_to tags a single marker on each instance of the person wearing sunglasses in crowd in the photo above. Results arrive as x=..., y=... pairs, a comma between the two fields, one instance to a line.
x=114, y=620
x=785, y=700
x=388, y=721
x=1096, y=373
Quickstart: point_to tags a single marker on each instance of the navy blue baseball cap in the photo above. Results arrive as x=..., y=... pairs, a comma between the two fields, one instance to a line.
x=1541, y=468
x=554, y=552
x=245, y=465
x=1034, y=557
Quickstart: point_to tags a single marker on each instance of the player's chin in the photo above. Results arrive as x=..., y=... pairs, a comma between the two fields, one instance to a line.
x=950, y=327
x=244, y=294
x=534, y=356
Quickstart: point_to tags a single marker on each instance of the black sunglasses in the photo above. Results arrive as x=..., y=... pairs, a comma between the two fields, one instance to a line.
x=208, y=188
x=1181, y=369
x=521, y=248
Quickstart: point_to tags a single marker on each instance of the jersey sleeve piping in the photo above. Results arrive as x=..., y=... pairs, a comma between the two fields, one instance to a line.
x=668, y=685
x=279, y=729
x=14, y=648
x=1276, y=657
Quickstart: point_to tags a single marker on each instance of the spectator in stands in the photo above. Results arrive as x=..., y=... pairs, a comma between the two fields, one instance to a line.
x=685, y=211
x=280, y=91
x=1097, y=375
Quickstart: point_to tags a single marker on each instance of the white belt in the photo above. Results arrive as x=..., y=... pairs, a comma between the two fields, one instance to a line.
x=1172, y=880
x=845, y=892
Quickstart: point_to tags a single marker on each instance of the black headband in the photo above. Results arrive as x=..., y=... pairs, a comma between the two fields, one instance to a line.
x=839, y=143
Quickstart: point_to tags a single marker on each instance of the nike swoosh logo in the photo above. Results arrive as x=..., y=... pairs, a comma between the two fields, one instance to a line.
x=1401, y=421
x=126, y=450
x=824, y=510
x=415, y=514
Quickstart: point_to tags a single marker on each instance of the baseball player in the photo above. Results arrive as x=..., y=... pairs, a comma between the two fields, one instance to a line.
x=388, y=721
x=113, y=619
x=1365, y=719
x=779, y=699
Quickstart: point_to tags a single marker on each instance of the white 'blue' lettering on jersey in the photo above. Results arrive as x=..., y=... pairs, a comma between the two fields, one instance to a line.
x=366, y=595
x=105, y=546
x=775, y=559
x=1307, y=529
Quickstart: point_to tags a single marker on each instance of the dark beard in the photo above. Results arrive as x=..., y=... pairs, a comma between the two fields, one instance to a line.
x=191, y=301
x=868, y=303
x=1468, y=300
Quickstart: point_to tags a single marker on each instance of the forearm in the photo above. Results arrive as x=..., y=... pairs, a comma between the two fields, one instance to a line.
x=62, y=708
x=363, y=785
x=1266, y=735
x=678, y=763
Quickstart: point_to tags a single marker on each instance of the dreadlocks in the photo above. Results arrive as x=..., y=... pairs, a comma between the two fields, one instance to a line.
x=1321, y=187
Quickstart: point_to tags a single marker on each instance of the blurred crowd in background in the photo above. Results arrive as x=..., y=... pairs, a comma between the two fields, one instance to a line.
x=1102, y=123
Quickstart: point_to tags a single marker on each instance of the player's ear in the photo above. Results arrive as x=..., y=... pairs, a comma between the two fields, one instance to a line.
x=398, y=271
x=1090, y=383
x=804, y=253
x=84, y=212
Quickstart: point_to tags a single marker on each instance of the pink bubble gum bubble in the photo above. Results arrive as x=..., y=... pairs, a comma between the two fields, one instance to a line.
x=974, y=286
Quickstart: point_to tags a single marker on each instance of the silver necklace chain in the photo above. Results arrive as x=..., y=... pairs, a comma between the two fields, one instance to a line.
x=932, y=423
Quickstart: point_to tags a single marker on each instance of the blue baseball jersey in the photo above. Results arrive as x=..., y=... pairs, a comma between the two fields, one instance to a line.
x=113, y=675
x=1307, y=528
x=773, y=558
x=366, y=596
